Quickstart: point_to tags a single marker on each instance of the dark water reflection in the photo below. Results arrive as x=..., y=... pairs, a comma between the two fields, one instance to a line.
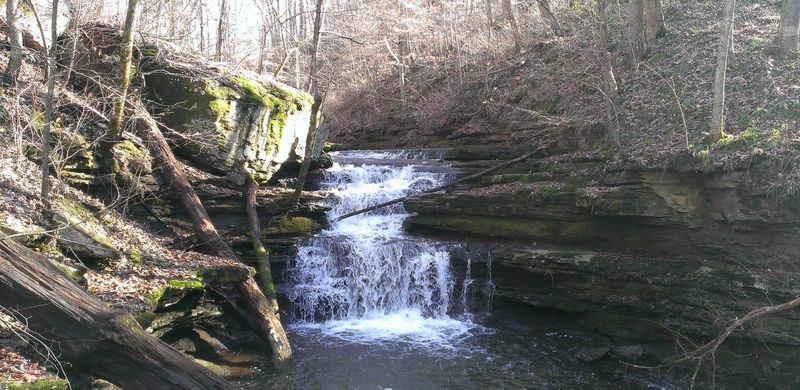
x=510, y=352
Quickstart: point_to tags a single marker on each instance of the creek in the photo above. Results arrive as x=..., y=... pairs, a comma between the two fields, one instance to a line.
x=372, y=307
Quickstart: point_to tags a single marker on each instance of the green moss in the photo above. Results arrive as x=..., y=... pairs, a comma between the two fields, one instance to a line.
x=184, y=284
x=136, y=257
x=145, y=319
x=75, y=208
x=41, y=384
x=154, y=296
x=291, y=226
x=130, y=149
x=74, y=273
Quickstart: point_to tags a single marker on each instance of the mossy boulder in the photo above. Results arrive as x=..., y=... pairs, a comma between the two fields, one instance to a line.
x=80, y=234
x=222, y=121
x=290, y=226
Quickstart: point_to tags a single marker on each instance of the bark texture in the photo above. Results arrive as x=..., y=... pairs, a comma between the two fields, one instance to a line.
x=654, y=20
x=636, y=29
x=93, y=337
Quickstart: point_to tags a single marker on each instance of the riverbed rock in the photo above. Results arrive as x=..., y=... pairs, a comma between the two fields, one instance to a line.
x=628, y=352
x=589, y=355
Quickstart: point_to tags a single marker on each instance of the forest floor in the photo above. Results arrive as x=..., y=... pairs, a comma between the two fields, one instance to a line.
x=555, y=94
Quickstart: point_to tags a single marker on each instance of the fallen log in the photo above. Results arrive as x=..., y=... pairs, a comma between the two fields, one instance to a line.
x=265, y=314
x=92, y=337
x=281, y=350
x=439, y=188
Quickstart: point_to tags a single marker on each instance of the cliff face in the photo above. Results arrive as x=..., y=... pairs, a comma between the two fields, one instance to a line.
x=222, y=121
x=678, y=247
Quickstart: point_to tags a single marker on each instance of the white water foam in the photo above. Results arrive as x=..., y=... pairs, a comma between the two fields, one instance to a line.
x=363, y=279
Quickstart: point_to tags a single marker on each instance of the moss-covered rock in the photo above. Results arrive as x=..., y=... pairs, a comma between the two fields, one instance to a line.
x=290, y=226
x=225, y=120
x=80, y=234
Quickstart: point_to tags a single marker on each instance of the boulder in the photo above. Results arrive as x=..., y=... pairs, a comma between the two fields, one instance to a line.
x=80, y=237
x=589, y=355
x=628, y=352
x=221, y=119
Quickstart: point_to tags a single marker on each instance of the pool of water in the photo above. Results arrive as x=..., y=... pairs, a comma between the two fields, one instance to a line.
x=371, y=307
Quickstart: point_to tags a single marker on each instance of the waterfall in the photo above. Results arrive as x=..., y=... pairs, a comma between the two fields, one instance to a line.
x=363, y=277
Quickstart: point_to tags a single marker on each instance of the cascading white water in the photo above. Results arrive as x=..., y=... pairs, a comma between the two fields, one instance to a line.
x=364, y=278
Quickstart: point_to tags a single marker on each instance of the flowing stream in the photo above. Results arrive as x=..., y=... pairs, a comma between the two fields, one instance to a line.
x=364, y=279
x=372, y=307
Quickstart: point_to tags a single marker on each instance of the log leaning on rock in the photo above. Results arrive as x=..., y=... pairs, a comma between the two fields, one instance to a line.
x=260, y=308
x=94, y=338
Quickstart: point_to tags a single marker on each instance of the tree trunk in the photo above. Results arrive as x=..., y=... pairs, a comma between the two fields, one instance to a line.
x=654, y=20
x=547, y=13
x=124, y=72
x=790, y=25
x=11, y=74
x=48, y=108
x=202, y=28
x=223, y=10
x=636, y=30
x=610, y=81
x=489, y=20
x=313, y=88
x=717, y=130
x=266, y=316
x=278, y=340
x=519, y=45
x=87, y=333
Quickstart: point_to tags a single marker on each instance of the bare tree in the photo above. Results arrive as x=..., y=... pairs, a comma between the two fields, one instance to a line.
x=519, y=45
x=124, y=75
x=48, y=109
x=790, y=25
x=603, y=59
x=221, y=27
x=717, y=130
x=489, y=20
x=313, y=88
x=11, y=74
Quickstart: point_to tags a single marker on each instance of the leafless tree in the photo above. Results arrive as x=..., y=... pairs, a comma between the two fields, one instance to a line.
x=48, y=111
x=11, y=74
x=717, y=130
